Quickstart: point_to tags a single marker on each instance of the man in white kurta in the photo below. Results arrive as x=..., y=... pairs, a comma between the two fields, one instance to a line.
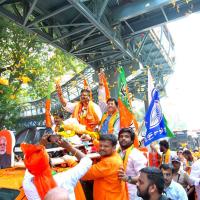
x=133, y=160
x=67, y=180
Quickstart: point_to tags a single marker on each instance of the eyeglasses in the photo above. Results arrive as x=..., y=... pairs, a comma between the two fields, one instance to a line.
x=2, y=144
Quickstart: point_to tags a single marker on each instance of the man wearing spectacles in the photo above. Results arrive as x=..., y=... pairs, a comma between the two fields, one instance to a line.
x=5, y=159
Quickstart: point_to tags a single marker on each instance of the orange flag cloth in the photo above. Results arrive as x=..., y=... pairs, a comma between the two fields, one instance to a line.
x=87, y=87
x=37, y=162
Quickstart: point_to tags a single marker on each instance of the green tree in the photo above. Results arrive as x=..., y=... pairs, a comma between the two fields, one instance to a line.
x=28, y=65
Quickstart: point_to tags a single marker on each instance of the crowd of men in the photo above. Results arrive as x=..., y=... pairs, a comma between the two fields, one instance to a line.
x=123, y=171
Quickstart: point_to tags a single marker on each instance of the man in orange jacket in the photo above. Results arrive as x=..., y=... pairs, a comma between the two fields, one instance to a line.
x=105, y=172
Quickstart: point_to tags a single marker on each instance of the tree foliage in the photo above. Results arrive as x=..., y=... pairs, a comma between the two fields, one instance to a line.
x=27, y=66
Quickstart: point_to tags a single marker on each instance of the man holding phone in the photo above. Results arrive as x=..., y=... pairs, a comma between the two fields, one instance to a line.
x=38, y=179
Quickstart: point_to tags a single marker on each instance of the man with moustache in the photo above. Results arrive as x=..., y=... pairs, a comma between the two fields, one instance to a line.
x=133, y=161
x=173, y=190
x=85, y=111
x=110, y=120
x=105, y=172
x=150, y=184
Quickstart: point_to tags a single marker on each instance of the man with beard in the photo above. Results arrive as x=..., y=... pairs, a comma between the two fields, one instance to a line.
x=150, y=184
x=133, y=161
x=166, y=153
x=173, y=190
x=105, y=172
x=5, y=159
x=85, y=111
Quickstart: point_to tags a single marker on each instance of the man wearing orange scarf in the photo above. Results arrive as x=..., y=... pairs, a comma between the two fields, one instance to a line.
x=109, y=106
x=110, y=121
x=85, y=111
x=133, y=161
x=38, y=178
x=105, y=172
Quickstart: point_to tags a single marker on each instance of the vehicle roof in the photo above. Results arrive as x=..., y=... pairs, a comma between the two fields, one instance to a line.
x=11, y=178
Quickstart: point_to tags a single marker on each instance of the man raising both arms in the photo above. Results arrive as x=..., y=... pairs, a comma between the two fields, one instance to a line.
x=85, y=111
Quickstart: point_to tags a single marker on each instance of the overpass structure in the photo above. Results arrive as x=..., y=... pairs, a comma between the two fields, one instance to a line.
x=103, y=34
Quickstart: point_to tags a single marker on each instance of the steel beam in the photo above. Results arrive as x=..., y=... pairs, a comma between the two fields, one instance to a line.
x=72, y=33
x=104, y=4
x=108, y=33
x=82, y=40
x=138, y=7
x=128, y=25
x=39, y=19
x=61, y=25
x=2, y=1
x=29, y=12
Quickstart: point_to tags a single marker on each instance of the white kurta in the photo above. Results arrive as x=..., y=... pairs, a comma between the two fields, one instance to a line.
x=136, y=161
x=71, y=106
x=67, y=179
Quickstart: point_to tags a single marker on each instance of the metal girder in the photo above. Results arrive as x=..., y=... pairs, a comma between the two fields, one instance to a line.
x=29, y=12
x=2, y=1
x=82, y=40
x=39, y=19
x=103, y=56
x=78, y=30
x=136, y=8
x=61, y=25
x=108, y=33
x=102, y=9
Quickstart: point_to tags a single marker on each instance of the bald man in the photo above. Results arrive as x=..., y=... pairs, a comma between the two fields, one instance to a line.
x=57, y=193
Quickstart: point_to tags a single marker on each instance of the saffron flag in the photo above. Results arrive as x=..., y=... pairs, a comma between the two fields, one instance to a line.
x=103, y=80
x=87, y=87
x=48, y=120
x=155, y=121
x=127, y=118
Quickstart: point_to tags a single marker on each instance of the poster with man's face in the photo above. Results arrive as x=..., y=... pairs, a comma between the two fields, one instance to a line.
x=7, y=142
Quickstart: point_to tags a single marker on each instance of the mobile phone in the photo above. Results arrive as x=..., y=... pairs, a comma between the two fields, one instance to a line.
x=53, y=138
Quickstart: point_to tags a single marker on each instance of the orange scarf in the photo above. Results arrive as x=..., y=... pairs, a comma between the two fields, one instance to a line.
x=90, y=119
x=112, y=121
x=37, y=162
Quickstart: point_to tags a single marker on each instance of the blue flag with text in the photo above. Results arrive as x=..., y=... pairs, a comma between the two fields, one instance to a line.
x=154, y=120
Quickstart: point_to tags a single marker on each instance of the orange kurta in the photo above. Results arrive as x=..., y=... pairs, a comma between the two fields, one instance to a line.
x=90, y=120
x=106, y=182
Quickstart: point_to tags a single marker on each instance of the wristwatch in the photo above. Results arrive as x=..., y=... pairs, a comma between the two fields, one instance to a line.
x=129, y=179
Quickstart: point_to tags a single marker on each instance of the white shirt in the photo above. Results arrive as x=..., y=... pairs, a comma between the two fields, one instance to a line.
x=71, y=106
x=195, y=177
x=175, y=191
x=67, y=179
x=136, y=161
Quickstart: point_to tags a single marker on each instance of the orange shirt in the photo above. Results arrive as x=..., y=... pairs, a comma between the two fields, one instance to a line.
x=106, y=182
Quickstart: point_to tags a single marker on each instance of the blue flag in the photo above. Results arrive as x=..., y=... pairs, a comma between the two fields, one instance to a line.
x=154, y=120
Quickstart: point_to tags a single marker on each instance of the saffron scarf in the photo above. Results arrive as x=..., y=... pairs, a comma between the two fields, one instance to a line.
x=37, y=162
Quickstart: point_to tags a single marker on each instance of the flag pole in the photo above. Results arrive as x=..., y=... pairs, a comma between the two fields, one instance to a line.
x=140, y=128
